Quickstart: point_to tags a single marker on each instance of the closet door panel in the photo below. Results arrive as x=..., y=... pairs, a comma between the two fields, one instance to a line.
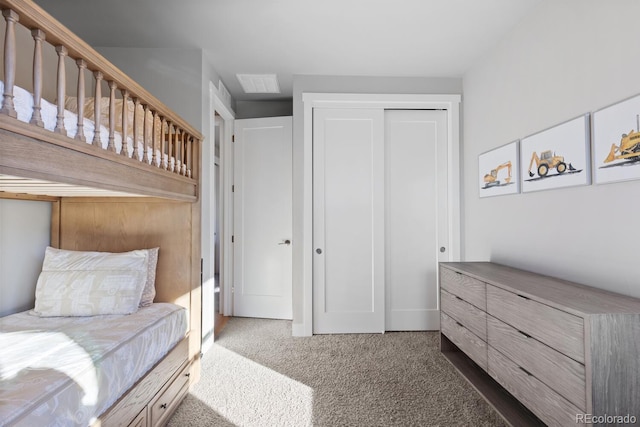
x=348, y=220
x=413, y=141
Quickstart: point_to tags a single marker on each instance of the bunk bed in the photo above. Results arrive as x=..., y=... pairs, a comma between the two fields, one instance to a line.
x=123, y=174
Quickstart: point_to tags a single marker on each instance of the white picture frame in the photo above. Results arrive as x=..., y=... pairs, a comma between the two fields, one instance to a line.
x=499, y=171
x=616, y=142
x=557, y=157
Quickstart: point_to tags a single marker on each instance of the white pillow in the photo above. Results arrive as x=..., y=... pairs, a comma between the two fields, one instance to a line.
x=77, y=283
x=149, y=291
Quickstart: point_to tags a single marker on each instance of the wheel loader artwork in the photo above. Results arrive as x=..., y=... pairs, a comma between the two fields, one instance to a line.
x=547, y=161
x=491, y=179
x=629, y=147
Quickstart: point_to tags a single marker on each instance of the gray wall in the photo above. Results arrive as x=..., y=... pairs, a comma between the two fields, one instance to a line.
x=171, y=75
x=25, y=230
x=566, y=58
x=340, y=84
x=180, y=78
x=257, y=109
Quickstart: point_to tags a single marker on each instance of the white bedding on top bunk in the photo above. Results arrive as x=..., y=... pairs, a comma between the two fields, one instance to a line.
x=23, y=103
x=65, y=371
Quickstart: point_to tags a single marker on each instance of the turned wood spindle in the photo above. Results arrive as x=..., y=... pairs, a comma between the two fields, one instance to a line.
x=177, y=151
x=82, y=65
x=170, y=155
x=62, y=90
x=112, y=116
x=8, y=107
x=36, y=117
x=124, y=150
x=183, y=154
x=145, y=153
x=136, y=152
x=189, y=154
x=154, y=138
x=163, y=145
x=96, y=108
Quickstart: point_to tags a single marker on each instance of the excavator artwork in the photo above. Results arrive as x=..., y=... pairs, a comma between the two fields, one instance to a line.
x=491, y=179
x=629, y=147
x=546, y=161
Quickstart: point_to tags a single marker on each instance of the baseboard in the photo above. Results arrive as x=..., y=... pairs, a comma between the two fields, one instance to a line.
x=297, y=330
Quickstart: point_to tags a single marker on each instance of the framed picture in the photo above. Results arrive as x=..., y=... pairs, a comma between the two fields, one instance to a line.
x=616, y=142
x=499, y=171
x=557, y=157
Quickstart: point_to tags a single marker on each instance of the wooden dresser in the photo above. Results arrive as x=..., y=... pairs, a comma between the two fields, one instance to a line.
x=566, y=353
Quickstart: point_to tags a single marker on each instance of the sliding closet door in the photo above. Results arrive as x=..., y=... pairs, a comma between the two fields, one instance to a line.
x=348, y=198
x=415, y=216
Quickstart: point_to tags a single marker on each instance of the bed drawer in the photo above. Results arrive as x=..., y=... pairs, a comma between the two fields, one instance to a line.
x=469, y=289
x=140, y=420
x=559, y=372
x=470, y=316
x=466, y=341
x=555, y=328
x=549, y=406
x=167, y=400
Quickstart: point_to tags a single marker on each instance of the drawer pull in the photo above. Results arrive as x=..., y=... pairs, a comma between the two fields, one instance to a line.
x=188, y=374
x=163, y=406
x=457, y=297
x=460, y=324
x=525, y=334
x=525, y=371
x=523, y=297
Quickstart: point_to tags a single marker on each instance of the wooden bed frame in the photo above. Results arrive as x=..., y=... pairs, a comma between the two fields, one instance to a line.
x=169, y=219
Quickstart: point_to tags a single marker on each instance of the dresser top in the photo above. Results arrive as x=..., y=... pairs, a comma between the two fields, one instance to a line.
x=579, y=299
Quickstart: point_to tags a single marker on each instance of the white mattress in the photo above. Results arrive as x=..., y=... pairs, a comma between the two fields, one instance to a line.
x=65, y=371
x=23, y=103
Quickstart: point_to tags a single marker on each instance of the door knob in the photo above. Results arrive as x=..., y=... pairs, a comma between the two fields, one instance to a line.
x=286, y=242
x=318, y=251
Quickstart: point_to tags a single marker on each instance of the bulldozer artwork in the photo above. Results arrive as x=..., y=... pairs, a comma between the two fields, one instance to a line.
x=629, y=147
x=491, y=179
x=558, y=157
x=548, y=161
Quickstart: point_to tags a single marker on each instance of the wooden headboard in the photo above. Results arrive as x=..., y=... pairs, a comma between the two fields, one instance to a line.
x=124, y=224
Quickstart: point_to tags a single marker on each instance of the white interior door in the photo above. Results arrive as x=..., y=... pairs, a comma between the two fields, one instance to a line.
x=348, y=235
x=415, y=189
x=263, y=218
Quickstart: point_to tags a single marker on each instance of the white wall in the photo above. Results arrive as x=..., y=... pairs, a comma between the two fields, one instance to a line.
x=25, y=232
x=566, y=58
x=339, y=84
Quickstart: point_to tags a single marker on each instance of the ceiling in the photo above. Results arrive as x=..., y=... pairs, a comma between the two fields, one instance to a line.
x=429, y=38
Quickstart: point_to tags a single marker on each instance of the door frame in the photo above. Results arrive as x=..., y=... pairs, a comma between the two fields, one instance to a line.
x=449, y=103
x=219, y=101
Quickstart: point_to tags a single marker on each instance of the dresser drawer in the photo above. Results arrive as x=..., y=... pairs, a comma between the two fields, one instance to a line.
x=167, y=400
x=549, y=406
x=559, y=372
x=466, y=341
x=470, y=316
x=558, y=329
x=469, y=289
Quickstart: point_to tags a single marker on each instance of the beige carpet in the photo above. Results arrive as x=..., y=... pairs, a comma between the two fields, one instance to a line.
x=257, y=374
